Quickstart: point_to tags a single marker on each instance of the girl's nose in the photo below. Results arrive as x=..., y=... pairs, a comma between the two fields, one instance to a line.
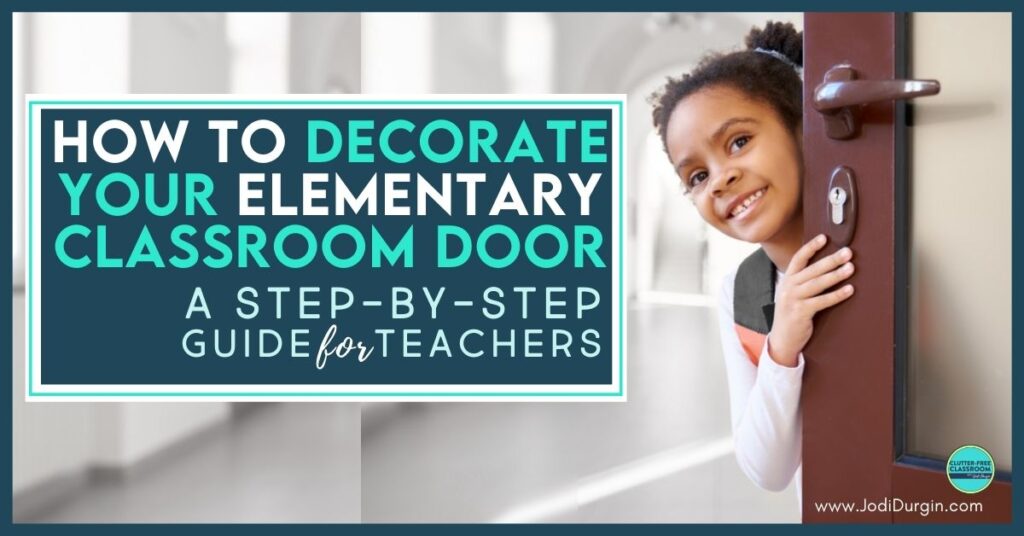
x=723, y=181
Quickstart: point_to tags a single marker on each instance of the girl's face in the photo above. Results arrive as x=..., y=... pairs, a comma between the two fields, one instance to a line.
x=740, y=165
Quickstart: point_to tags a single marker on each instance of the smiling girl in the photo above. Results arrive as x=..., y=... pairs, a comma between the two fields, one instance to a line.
x=732, y=131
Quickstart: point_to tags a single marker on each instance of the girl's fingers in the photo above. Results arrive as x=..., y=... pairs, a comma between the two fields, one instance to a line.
x=823, y=265
x=817, y=285
x=825, y=301
x=804, y=254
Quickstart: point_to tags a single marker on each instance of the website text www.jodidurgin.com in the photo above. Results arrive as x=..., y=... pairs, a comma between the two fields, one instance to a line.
x=895, y=504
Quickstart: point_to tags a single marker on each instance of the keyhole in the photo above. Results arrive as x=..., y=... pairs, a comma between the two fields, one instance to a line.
x=837, y=198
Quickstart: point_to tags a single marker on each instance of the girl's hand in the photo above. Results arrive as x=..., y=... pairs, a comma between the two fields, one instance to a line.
x=800, y=297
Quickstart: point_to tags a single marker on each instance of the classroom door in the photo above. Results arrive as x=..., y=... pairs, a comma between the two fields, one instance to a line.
x=918, y=360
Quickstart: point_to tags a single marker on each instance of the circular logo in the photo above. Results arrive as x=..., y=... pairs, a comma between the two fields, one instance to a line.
x=970, y=469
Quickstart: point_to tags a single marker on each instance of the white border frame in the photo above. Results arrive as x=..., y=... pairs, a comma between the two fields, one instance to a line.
x=616, y=391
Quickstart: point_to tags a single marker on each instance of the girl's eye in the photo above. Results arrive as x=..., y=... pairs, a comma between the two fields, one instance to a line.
x=738, y=143
x=696, y=179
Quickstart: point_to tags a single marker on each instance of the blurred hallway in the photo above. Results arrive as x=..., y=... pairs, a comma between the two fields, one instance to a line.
x=663, y=456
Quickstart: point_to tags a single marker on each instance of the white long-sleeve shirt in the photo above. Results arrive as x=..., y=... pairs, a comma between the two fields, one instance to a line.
x=764, y=404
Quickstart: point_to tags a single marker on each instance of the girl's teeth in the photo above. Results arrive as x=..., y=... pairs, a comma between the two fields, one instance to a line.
x=746, y=203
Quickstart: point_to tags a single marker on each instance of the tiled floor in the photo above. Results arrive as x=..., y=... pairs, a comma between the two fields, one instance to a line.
x=610, y=462
x=278, y=463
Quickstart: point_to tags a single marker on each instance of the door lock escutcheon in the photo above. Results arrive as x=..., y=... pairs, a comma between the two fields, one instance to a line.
x=842, y=207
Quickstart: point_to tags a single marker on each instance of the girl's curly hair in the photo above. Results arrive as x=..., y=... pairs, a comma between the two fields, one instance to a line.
x=756, y=72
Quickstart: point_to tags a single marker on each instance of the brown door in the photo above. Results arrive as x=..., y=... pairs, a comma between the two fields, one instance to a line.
x=855, y=396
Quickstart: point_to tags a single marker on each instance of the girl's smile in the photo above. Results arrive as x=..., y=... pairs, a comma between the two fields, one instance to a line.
x=742, y=205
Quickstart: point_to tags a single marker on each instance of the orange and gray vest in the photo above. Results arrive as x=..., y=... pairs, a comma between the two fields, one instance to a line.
x=753, y=302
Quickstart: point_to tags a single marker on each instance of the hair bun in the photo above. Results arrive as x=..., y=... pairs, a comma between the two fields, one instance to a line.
x=781, y=37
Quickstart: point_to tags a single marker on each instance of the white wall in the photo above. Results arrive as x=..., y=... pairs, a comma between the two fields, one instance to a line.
x=48, y=440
